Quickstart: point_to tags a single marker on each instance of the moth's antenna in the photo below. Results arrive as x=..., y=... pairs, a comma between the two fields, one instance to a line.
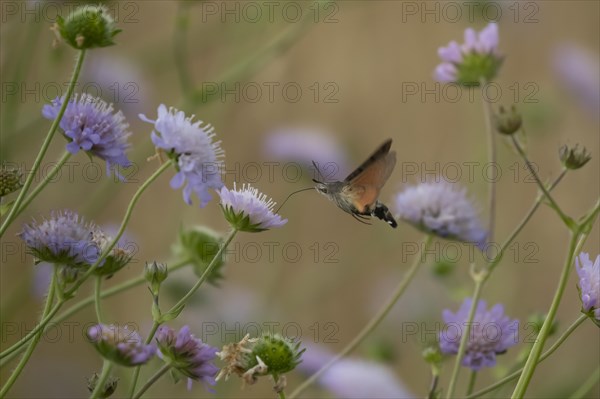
x=288, y=197
x=318, y=171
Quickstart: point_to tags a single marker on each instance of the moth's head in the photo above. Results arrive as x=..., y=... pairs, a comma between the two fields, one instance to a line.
x=321, y=187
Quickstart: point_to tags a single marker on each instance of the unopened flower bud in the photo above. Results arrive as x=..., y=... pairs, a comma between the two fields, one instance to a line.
x=88, y=27
x=507, y=122
x=10, y=181
x=575, y=157
x=155, y=273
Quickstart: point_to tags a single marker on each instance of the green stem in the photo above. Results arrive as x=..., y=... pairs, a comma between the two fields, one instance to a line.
x=124, y=223
x=136, y=371
x=373, y=323
x=106, y=368
x=280, y=392
x=59, y=164
x=16, y=349
x=97, y=296
x=581, y=392
x=472, y=380
x=522, y=224
x=38, y=161
x=546, y=354
x=487, y=112
x=152, y=380
x=17, y=371
x=433, y=387
x=567, y=220
x=536, y=350
x=479, y=281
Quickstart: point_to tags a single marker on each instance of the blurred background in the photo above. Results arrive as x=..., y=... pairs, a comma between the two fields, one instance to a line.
x=282, y=84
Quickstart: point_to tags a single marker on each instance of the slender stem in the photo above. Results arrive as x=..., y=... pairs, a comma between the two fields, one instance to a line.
x=106, y=368
x=465, y=337
x=59, y=164
x=83, y=304
x=581, y=392
x=152, y=380
x=536, y=350
x=136, y=371
x=544, y=356
x=432, y=388
x=373, y=323
x=487, y=112
x=540, y=184
x=215, y=260
x=523, y=222
x=17, y=371
x=124, y=223
x=38, y=161
x=182, y=23
x=280, y=392
x=472, y=380
x=97, y=296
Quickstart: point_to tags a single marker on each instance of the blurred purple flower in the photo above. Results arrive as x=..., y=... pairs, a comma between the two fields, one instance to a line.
x=476, y=58
x=120, y=344
x=589, y=283
x=579, y=71
x=354, y=378
x=443, y=209
x=93, y=127
x=303, y=145
x=491, y=333
x=198, y=158
x=188, y=354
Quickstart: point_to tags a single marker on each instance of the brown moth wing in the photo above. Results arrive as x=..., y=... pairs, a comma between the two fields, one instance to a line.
x=378, y=154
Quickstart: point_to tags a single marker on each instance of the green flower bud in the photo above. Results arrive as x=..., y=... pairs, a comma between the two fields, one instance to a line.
x=507, y=122
x=574, y=158
x=10, y=181
x=110, y=385
x=155, y=273
x=88, y=27
x=200, y=245
x=278, y=353
x=433, y=356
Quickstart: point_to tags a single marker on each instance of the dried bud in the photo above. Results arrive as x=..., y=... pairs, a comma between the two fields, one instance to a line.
x=507, y=122
x=10, y=181
x=574, y=158
x=109, y=386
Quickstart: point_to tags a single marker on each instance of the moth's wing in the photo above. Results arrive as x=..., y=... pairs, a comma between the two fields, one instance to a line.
x=378, y=154
x=362, y=197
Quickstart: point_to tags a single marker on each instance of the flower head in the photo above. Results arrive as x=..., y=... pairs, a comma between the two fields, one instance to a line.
x=88, y=27
x=236, y=356
x=589, y=283
x=198, y=158
x=10, y=180
x=64, y=238
x=187, y=354
x=92, y=126
x=574, y=157
x=248, y=209
x=120, y=344
x=474, y=60
x=443, y=209
x=492, y=333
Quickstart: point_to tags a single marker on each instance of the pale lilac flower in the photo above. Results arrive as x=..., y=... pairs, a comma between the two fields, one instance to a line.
x=351, y=378
x=65, y=238
x=187, y=354
x=578, y=69
x=92, y=126
x=589, y=283
x=249, y=210
x=198, y=158
x=305, y=145
x=120, y=344
x=443, y=209
x=492, y=333
x=476, y=58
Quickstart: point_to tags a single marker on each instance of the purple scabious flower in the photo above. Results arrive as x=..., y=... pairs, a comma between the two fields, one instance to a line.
x=248, y=209
x=187, y=354
x=65, y=239
x=468, y=63
x=492, y=333
x=93, y=127
x=120, y=344
x=443, y=209
x=197, y=157
x=589, y=284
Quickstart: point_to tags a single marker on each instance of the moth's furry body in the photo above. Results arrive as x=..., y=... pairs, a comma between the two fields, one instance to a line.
x=357, y=194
